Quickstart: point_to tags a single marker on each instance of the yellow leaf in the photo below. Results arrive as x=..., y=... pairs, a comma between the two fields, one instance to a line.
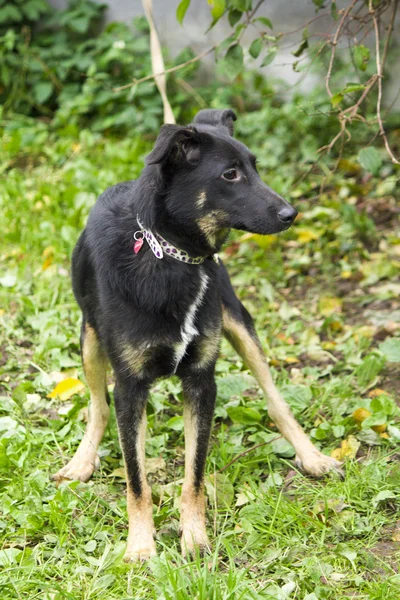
x=376, y=392
x=348, y=449
x=329, y=305
x=379, y=428
x=66, y=388
x=291, y=360
x=345, y=274
x=305, y=235
x=385, y=436
x=120, y=472
x=263, y=241
x=361, y=414
x=46, y=264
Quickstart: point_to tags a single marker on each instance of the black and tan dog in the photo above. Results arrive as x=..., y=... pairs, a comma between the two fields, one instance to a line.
x=156, y=300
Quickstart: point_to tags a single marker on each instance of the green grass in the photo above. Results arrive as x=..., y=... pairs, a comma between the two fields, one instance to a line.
x=324, y=299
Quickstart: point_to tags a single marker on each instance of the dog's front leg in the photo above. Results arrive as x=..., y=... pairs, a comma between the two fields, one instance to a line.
x=239, y=330
x=199, y=395
x=130, y=403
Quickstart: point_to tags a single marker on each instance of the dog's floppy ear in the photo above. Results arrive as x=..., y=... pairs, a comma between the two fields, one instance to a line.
x=218, y=118
x=177, y=144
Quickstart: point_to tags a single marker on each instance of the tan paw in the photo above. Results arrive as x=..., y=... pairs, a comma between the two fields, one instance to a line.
x=192, y=540
x=140, y=552
x=317, y=464
x=77, y=469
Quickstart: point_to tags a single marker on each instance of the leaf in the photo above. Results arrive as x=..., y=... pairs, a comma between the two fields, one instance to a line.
x=217, y=8
x=232, y=385
x=336, y=99
x=181, y=10
x=307, y=234
x=353, y=87
x=90, y=546
x=232, y=62
x=66, y=389
x=234, y=16
x=120, y=472
x=243, y=415
x=303, y=46
x=370, y=159
x=282, y=447
x=8, y=280
x=264, y=21
x=391, y=349
x=10, y=13
x=382, y=496
x=256, y=47
x=269, y=58
x=329, y=305
x=348, y=449
x=297, y=396
x=220, y=490
x=369, y=369
x=42, y=91
x=360, y=414
x=361, y=56
x=175, y=423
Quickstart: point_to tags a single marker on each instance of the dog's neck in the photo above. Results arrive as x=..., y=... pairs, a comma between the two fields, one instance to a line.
x=188, y=238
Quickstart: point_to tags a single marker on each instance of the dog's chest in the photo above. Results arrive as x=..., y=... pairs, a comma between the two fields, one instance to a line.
x=188, y=330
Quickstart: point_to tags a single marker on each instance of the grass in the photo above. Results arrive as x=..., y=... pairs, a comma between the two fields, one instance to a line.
x=325, y=301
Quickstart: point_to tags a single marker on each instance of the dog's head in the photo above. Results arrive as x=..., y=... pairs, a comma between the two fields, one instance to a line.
x=211, y=183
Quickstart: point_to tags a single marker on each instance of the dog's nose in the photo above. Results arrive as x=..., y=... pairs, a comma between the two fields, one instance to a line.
x=287, y=215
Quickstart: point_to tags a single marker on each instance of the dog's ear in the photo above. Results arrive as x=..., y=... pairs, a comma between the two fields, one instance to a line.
x=175, y=144
x=218, y=118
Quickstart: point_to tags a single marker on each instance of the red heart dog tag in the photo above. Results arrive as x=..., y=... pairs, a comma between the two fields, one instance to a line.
x=138, y=245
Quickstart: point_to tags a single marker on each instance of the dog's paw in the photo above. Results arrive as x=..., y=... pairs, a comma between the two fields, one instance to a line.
x=194, y=540
x=140, y=551
x=77, y=469
x=317, y=464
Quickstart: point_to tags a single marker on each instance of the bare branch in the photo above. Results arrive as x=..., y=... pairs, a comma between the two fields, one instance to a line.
x=334, y=44
x=379, y=76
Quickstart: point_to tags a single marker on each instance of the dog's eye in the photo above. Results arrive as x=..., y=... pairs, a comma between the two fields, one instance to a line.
x=231, y=175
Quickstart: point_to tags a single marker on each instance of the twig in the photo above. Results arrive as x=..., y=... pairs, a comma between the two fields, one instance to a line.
x=334, y=44
x=170, y=70
x=379, y=76
x=278, y=437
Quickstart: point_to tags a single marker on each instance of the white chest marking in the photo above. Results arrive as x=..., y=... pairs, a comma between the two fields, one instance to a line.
x=188, y=330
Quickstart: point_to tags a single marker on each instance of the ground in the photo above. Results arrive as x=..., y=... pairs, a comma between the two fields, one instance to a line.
x=325, y=301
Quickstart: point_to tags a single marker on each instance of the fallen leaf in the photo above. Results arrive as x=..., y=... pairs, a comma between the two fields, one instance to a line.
x=376, y=392
x=348, y=449
x=120, y=472
x=361, y=414
x=305, y=235
x=67, y=388
x=329, y=305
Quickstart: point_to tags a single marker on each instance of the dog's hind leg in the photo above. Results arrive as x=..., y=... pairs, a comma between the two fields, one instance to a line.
x=239, y=330
x=199, y=392
x=130, y=404
x=86, y=459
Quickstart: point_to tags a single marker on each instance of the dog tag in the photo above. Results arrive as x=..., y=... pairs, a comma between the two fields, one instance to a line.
x=138, y=245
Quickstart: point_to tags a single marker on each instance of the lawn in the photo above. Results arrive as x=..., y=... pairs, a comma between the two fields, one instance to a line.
x=325, y=300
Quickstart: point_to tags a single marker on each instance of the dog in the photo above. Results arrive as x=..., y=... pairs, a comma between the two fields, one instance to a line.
x=156, y=300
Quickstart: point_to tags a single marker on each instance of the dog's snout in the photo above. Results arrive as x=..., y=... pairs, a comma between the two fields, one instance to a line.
x=287, y=214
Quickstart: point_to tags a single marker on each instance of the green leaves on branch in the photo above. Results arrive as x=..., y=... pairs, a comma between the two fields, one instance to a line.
x=361, y=55
x=370, y=159
x=181, y=10
x=232, y=63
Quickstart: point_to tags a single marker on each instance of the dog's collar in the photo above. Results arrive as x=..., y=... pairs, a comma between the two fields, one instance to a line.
x=159, y=246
